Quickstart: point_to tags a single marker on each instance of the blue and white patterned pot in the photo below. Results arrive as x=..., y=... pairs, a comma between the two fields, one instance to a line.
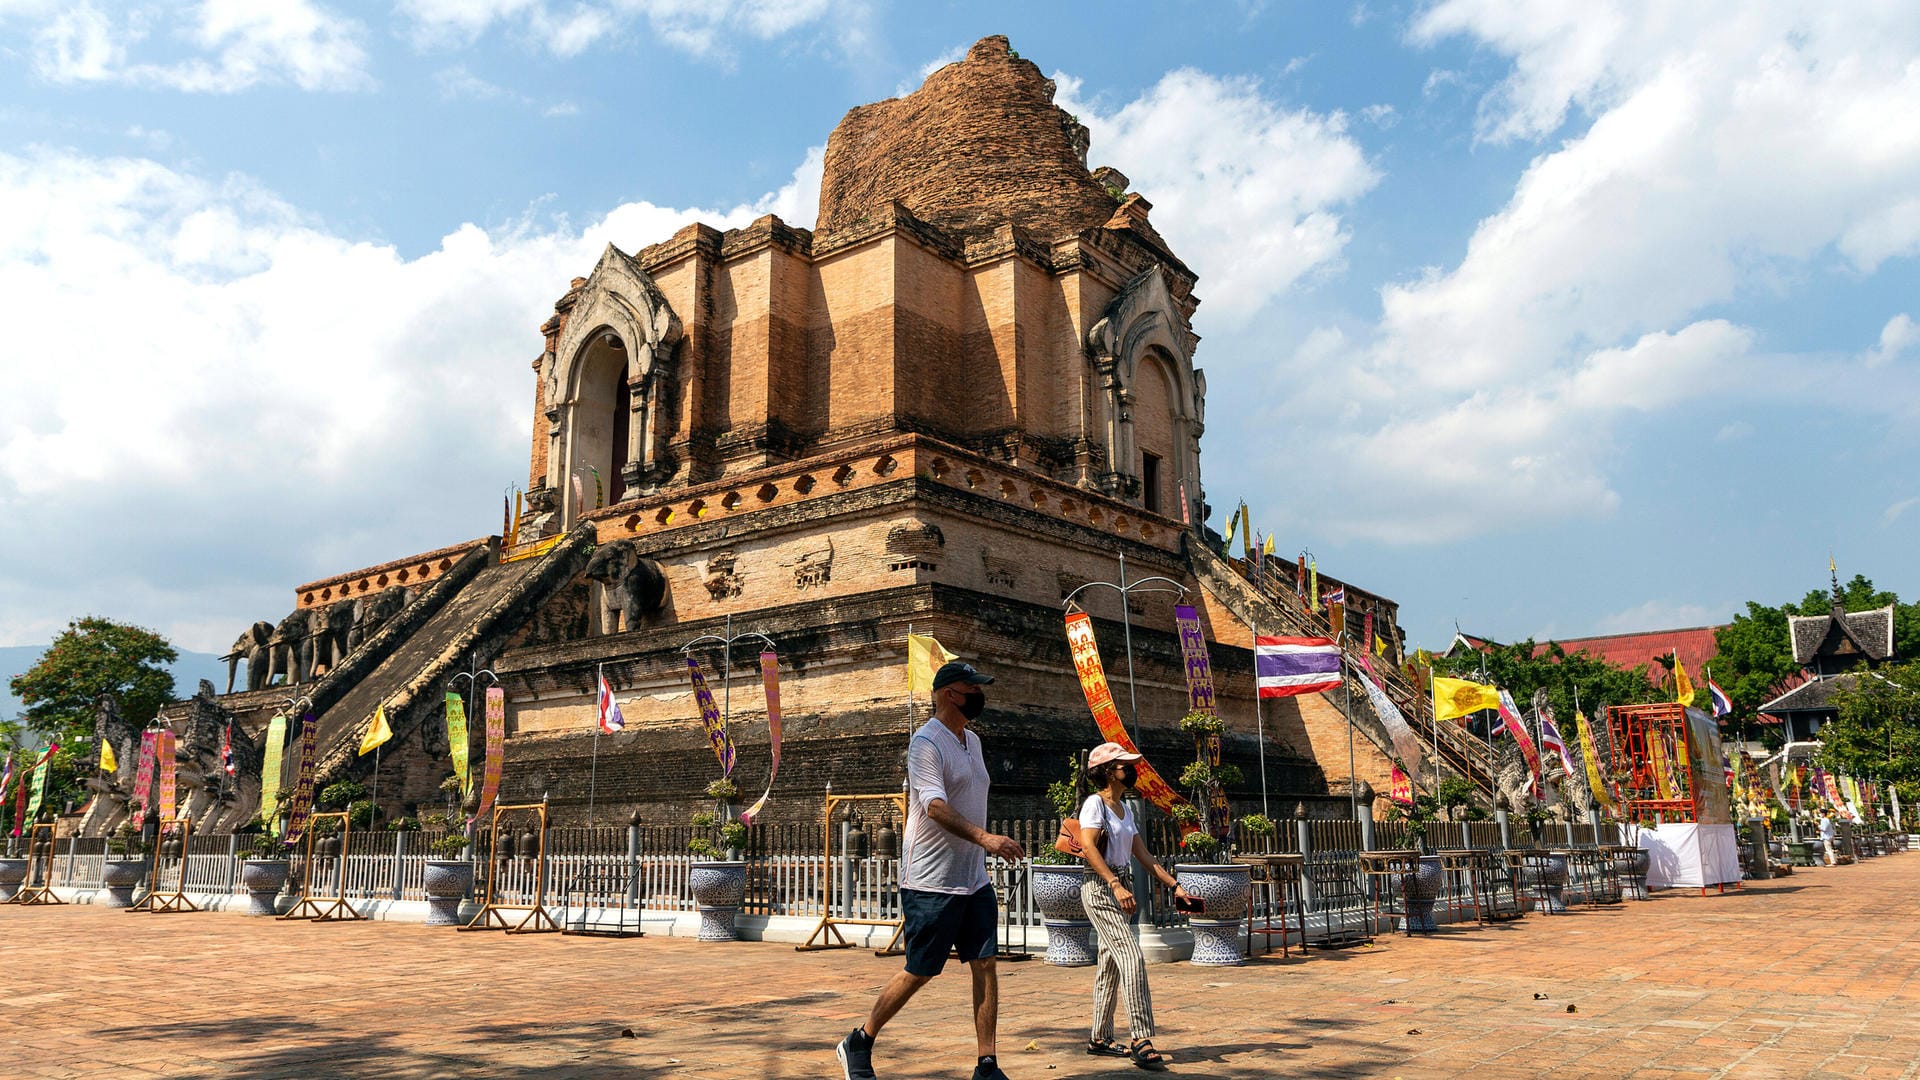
x=447, y=882
x=118, y=877
x=1056, y=892
x=1632, y=866
x=1422, y=889
x=263, y=880
x=13, y=873
x=718, y=887
x=1225, y=888
x=1546, y=884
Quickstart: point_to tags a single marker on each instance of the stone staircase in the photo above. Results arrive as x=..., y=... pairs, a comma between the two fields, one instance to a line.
x=1268, y=603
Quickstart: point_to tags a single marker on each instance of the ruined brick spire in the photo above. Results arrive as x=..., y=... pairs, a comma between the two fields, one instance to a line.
x=979, y=144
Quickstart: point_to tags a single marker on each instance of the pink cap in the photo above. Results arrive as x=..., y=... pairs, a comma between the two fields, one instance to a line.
x=1109, y=751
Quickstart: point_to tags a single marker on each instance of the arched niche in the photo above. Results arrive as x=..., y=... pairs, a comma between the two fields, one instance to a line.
x=1144, y=325
x=607, y=385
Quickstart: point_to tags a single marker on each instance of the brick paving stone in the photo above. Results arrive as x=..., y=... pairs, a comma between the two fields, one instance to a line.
x=1815, y=975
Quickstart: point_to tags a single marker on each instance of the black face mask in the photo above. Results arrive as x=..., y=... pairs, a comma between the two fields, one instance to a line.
x=973, y=705
x=1129, y=775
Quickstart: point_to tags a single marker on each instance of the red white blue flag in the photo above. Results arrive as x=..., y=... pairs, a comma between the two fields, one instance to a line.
x=1286, y=666
x=1722, y=705
x=610, y=718
x=226, y=749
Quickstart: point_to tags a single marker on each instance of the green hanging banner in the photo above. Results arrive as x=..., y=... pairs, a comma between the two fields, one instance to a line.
x=270, y=769
x=457, y=739
x=40, y=772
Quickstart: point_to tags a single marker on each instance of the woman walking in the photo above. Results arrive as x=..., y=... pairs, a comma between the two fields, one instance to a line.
x=1110, y=841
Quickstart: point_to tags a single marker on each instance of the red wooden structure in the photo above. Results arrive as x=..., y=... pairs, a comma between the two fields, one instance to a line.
x=1651, y=743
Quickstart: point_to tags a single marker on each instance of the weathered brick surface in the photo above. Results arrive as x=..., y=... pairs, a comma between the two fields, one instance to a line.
x=1679, y=987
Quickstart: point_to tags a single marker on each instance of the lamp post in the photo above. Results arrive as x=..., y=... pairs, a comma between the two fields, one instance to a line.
x=1126, y=589
x=473, y=675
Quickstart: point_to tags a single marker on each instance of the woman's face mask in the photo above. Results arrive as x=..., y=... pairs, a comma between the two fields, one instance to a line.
x=1129, y=775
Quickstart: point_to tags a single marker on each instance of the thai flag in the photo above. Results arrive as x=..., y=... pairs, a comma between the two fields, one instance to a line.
x=1337, y=596
x=610, y=718
x=1550, y=740
x=1286, y=666
x=1722, y=705
x=226, y=750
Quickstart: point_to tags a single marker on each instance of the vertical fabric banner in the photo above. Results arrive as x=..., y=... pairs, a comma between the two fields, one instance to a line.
x=1511, y=714
x=496, y=747
x=20, y=802
x=1662, y=772
x=165, y=765
x=1405, y=742
x=1093, y=683
x=710, y=717
x=457, y=738
x=143, y=776
x=1193, y=650
x=303, y=781
x=270, y=768
x=770, y=678
x=40, y=772
x=1592, y=758
x=1400, y=788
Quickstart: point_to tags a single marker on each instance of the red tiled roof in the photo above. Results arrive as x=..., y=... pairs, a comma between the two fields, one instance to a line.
x=1694, y=644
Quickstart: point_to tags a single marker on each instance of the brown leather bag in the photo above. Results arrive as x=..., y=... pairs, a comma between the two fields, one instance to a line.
x=1069, y=839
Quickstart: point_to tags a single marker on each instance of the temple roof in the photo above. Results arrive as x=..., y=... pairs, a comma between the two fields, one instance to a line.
x=1837, y=633
x=1811, y=696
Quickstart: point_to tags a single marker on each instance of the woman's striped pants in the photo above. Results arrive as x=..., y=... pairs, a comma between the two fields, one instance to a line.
x=1122, y=970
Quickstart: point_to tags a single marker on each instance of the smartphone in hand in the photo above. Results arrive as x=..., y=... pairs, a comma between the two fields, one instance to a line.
x=1192, y=905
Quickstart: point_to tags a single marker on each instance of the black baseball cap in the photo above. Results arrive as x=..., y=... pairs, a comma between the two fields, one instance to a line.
x=954, y=671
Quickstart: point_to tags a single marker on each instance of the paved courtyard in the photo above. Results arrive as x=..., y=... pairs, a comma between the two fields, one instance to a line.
x=1814, y=975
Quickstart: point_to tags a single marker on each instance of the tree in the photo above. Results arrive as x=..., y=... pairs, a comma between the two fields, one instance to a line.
x=92, y=657
x=1524, y=667
x=1755, y=650
x=1877, y=732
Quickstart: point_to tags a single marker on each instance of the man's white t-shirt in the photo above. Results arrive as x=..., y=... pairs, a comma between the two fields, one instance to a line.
x=940, y=765
x=1117, y=830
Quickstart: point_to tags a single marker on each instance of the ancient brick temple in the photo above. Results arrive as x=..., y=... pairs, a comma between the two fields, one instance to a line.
x=968, y=391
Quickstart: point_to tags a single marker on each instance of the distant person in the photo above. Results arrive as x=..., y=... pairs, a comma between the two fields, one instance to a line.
x=1826, y=837
x=1110, y=841
x=946, y=899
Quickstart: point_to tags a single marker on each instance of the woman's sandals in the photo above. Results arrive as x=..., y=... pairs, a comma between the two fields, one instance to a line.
x=1107, y=1048
x=1145, y=1056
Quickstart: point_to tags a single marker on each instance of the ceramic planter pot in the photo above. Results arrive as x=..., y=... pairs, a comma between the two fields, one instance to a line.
x=718, y=887
x=13, y=873
x=1632, y=867
x=1550, y=881
x=1056, y=892
x=447, y=883
x=118, y=876
x=263, y=879
x=1421, y=889
x=1225, y=888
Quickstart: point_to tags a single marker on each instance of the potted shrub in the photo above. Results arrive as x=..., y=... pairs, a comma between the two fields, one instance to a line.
x=264, y=871
x=125, y=865
x=449, y=875
x=1222, y=885
x=718, y=876
x=1259, y=831
x=1057, y=880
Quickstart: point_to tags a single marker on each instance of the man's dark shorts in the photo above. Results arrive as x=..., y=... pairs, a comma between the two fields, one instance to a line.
x=935, y=923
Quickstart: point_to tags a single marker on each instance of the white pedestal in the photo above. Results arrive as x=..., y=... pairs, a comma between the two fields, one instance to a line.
x=1688, y=856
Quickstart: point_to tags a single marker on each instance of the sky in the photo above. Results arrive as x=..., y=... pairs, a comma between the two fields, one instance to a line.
x=1542, y=319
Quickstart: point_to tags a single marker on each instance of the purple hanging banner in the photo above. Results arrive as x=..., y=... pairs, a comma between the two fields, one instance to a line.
x=302, y=806
x=710, y=717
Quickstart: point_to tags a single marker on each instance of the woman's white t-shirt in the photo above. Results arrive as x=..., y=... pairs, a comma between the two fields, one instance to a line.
x=1117, y=830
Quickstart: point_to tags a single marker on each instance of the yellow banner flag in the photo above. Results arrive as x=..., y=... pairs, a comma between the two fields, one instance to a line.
x=377, y=732
x=1657, y=757
x=1267, y=547
x=1682, y=686
x=1246, y=531
x=1455, y=698
x=1594, y=780
x=108, y=763
x=1379, y=645
x=924, y=657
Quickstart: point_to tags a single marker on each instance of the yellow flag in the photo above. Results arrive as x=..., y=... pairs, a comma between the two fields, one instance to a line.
x=1455, y=698
x=1379, y=645
x=1246, y=531
x=1233, y=526
x=108, y=763
x=1682, y=686
x=377, y=732
x=1594, y=779
x=1267, y=548
x=924, y=657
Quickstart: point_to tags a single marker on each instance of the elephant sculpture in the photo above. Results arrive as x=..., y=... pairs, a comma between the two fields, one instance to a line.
x=332, y=629
x=370, y=613
x=250, y=646
x=292, y=647
x=631, y=586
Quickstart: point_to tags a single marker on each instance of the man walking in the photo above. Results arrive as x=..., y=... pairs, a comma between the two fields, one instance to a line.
x=1826, y=837
x=946, y=900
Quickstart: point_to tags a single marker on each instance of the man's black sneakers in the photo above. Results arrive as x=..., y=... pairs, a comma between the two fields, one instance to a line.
x=988, y=1069
x=856, y=1055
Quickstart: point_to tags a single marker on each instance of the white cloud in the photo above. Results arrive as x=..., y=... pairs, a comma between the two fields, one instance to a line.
x=1733, y=432
x=212, y=379
x=1382, y=116
x=1245, y=190
x=1726, y=156
x=1897, y=337
x=1892, y=513
x=232, y=45
x=951, y=56
x=1661, y=615
x=702, y=28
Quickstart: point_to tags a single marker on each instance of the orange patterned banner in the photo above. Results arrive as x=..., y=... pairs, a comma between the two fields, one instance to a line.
x=1093, y=681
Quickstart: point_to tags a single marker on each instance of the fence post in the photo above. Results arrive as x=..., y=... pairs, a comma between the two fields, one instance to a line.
x=1567, y=826
x=1364, y=815
x=399, y=861
x=233, y=861
x=73, y=847
x=633, y=865
x=1506, y=831
x=1466, y=836
x=1302, y=834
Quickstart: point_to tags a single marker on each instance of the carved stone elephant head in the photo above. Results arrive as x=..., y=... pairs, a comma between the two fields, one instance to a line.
x=632, y=586
x=331, y=631
x=292, y=647
x=250, y=646
x=370, y=613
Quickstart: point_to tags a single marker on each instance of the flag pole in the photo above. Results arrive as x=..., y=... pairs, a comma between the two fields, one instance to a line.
x=593, y=766
x=375, y=817
x=1259, y=717
x=1346, y=709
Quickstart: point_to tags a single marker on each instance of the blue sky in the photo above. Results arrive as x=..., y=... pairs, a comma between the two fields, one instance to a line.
x=1546, y=320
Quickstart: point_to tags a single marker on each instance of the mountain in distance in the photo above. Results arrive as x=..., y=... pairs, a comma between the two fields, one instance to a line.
x=188, y=670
